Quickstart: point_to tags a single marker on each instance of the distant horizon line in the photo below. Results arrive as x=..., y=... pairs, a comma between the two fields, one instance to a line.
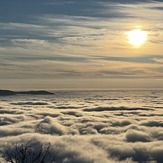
x=83, y=89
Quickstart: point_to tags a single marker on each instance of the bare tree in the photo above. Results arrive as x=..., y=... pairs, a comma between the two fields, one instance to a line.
x=24, y=153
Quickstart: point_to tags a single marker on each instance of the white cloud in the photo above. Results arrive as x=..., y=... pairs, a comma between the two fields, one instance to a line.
x=122, y=134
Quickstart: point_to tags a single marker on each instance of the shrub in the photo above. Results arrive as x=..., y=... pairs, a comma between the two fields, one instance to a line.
x=25, y=153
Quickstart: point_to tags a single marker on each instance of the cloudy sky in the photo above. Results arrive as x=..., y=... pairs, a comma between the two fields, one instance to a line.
x=75, y=44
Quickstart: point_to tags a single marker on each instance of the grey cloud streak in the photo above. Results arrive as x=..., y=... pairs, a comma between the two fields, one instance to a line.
x=78, y=39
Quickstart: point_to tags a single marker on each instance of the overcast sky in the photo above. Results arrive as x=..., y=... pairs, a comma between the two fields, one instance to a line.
x=74, y=44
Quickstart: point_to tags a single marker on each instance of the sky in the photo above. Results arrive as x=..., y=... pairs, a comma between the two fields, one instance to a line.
x=73, y=44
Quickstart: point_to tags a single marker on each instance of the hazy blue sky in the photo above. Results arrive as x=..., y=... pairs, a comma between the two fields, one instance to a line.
x=79, y=44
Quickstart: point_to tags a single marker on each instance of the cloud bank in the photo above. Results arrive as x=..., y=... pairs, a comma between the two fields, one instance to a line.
x=101, y=130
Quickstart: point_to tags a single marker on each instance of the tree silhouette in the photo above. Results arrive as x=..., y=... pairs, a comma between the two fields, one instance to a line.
x=24, y=153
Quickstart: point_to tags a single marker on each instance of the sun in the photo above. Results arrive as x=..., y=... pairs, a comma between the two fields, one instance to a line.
x=137, y=37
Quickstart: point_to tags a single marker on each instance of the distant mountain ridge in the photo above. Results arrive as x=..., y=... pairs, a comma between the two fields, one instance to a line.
x=10, y=93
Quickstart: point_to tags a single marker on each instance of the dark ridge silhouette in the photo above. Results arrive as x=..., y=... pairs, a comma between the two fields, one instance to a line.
x=10, y=93
x=6, y=93
x=35, y=93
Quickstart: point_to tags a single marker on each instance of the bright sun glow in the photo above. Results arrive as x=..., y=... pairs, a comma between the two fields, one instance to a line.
x=137, y=37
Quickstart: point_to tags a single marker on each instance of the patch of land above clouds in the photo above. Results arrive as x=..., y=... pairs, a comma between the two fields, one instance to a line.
x=10, y=93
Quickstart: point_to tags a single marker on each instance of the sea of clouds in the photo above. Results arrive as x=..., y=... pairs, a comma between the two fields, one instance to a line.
x=87, y=127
